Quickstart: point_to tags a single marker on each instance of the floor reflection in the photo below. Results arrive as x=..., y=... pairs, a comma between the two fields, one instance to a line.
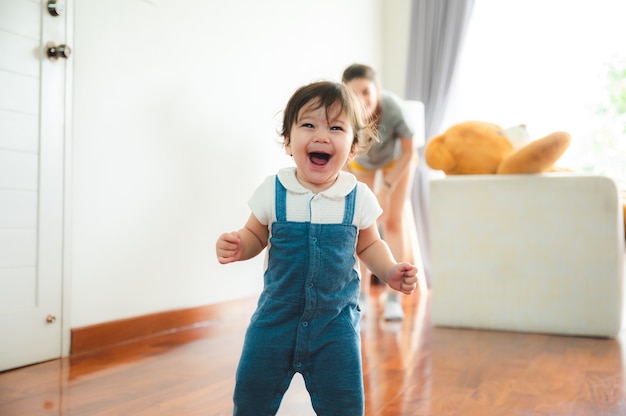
x=410, y=368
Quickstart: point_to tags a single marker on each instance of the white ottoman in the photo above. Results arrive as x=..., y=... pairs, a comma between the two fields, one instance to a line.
x=536, y=253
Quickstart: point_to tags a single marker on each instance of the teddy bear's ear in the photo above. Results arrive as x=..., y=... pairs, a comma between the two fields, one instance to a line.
x=437, y=155
x=517, y=135
x=538, y=156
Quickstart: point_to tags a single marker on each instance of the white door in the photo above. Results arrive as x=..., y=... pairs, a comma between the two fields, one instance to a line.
x=32, y=123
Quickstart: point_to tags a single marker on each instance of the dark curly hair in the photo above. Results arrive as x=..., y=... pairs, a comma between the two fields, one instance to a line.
x=328, y=94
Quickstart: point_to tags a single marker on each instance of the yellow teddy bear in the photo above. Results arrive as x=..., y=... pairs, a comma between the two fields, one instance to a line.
x=477, y=147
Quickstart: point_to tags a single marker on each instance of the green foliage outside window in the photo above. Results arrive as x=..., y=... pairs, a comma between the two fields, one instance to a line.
x=605, y=151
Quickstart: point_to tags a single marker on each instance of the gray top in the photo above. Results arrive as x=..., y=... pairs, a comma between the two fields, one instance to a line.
x=394, y=124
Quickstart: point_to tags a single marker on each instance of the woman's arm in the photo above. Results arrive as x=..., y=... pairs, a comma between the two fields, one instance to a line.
x=396, y=175
x=401, y=164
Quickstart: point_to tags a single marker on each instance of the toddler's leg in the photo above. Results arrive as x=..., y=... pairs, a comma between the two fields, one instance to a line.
x=334, y=376
x=265, y=368
x=261, y=382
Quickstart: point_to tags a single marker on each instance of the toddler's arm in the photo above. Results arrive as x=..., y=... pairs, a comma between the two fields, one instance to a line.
x=375, y=253
x=243, y=244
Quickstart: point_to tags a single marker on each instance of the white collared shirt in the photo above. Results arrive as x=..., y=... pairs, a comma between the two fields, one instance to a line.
x=326, y=207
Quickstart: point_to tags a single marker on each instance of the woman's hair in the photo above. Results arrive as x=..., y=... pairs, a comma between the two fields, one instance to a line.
x=330, y=96
x=355, y=71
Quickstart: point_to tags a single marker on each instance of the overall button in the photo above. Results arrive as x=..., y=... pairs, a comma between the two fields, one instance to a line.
x=305, y=324
x=298, y=365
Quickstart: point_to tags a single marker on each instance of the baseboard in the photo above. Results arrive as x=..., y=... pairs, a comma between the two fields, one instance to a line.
x=93, y=337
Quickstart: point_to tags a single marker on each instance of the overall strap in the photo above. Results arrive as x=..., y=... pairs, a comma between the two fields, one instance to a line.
x=280, y=201
x=281, y=205
x=348, y=213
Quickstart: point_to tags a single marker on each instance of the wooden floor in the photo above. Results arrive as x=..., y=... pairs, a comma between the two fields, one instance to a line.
x=410, y=368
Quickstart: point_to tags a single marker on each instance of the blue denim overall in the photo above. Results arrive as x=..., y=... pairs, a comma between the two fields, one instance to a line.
x=307, y=319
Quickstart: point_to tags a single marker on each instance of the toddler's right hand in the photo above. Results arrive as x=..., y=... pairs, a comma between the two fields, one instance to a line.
x=228, y=247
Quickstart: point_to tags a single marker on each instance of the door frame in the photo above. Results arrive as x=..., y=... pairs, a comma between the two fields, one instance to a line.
x=67, y=186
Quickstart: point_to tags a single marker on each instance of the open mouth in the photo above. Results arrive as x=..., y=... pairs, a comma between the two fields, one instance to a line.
x=319, y=159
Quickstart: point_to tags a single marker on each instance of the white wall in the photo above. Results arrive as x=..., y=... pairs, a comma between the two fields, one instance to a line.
x=173, y=128
x=397, y=19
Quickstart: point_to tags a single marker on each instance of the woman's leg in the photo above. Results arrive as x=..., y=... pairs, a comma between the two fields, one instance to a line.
x=368, y=178
x=394, y=226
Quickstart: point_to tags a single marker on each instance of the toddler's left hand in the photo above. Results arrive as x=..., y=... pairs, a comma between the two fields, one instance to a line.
x=403, y=278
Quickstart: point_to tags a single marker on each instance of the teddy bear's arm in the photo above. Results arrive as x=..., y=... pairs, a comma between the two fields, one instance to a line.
x=538, y=156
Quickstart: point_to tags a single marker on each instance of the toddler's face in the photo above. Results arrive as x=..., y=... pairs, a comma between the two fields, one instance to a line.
x=320, y=146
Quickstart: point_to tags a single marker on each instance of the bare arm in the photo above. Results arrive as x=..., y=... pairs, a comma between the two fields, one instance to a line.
x=243, y=244
x=403, y=163
x=375, y=253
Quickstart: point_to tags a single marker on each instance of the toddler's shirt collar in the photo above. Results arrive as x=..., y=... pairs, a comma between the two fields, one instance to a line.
x=343, y=185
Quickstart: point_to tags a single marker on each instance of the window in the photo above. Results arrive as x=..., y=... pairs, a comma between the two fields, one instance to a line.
x=549, y=65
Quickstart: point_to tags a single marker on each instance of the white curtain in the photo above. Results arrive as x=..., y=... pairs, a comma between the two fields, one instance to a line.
x=437, y=32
